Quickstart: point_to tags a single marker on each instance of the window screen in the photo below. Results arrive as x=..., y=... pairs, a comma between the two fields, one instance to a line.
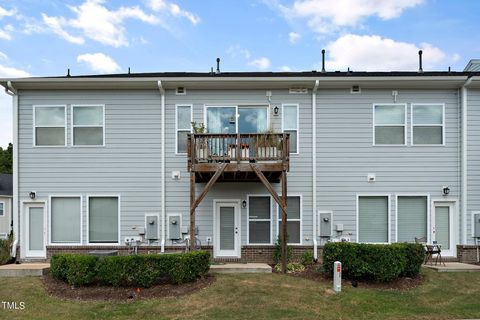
x=427, y=124
x=88, y=125
x=259, y=220
x=49, y=123
x=184, y=119
x=293, y=219
x=103, y=219
x=65, y=219
x=290, y=125
x=373, y=219
x=411, y=218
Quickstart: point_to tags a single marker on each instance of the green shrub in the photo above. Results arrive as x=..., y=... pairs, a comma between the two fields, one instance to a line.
x=277, y=252
x=5, y=249
x=415, y=255
x=307, y=258
x=292, y=267
x=81, y=269
x=135, y=270
x=372, y=261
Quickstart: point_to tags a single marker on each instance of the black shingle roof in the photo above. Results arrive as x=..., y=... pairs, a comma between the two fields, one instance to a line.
x=278, y=74
x=6, y=184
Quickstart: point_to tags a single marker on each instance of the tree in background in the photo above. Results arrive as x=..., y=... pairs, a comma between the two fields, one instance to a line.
x=6, y=156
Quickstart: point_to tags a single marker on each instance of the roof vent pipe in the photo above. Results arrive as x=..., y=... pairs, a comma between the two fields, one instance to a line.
x=420, y=68
x=218, y=65
x=323, y=60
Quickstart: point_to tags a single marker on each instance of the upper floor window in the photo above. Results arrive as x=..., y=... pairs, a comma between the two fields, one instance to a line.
x=290, y=125
x=49, y=125
x=428, y=124
x=183, y=126
x=389, y=124
x=88, y=125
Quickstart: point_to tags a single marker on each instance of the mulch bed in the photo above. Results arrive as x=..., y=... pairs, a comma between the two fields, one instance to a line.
x=61, y=289
x=311, y=272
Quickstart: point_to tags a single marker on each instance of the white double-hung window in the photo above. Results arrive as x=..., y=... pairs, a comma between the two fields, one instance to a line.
x=183, y=126
x=259, y=220
x=290, y=125
x=88, y=125
x=49, y=125
x=428, y=124
x=294, y=220
x=389, y=124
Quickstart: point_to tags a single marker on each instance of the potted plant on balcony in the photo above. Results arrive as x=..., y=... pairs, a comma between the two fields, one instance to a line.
x=201, y=143
x=267, y=146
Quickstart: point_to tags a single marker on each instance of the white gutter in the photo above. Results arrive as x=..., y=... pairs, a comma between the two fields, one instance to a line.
x=314, y=167
x=162, y=99
x=15, y=215
x=464, y=159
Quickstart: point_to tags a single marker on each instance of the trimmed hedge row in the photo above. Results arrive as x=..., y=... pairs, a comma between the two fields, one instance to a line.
x=377, y=262
x=137, y=270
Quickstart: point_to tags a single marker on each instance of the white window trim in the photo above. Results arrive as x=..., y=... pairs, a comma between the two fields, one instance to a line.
x=389, y=217
x=427, y=125
x=248, y=219
x=472, y=227
x=399, y=195
x=3, y=214
x=72, y=126
x=50, y=243
x=176, y=125
x=236, y=106
x=34, y=142
x=88, y=219
x=390, y=125
x=279, y=220
x=298, y=124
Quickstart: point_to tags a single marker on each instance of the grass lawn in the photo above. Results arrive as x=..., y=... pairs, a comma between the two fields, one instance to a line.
x=261, y=296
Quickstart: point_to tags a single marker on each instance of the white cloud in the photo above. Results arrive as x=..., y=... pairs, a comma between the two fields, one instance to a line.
x=294, y=37
x=173, y=9
x=285, y=69
x=3, y=56
x=5, y=34
x=238, y=51
x=260, y=63
x=324, y=16
x=7, y=13
x=55, y=25
x=10, y=72
x=97, y=22
x=98, y=62
x=371, y=52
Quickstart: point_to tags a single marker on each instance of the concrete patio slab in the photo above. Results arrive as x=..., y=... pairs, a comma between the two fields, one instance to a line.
x=24, y=270
x=241, y=268
x=454, y=267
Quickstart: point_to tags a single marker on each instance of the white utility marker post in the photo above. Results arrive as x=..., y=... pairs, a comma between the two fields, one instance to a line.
x=337, y=276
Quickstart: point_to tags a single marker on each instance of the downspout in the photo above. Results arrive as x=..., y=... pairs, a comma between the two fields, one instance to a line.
x=314, y=168
x=162, y=139
x=464, y=159
x=10, y=90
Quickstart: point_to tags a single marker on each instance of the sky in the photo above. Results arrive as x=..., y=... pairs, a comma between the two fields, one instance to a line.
x=46, y=37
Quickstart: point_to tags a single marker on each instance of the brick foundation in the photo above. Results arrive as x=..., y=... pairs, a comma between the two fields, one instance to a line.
x=467, y=253
x=262, y=254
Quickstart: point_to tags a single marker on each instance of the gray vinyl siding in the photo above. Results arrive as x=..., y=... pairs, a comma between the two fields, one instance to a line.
x=128, y=165
x=6, y=219
x=299, y=178
x=345, y=154
x=473, y=158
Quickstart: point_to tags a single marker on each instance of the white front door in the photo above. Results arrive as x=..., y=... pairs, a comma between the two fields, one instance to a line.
x=227, y=229
x=443, y=230
x=35, y=230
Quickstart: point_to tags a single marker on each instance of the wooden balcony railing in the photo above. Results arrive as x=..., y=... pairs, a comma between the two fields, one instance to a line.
x=238, y=148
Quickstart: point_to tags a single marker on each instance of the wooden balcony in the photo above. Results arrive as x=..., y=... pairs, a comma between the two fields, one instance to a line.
x=238, y=155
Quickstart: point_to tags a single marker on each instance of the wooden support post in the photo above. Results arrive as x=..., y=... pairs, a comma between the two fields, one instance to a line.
x=284, y=222
x=195, y=202
x=192, y=210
